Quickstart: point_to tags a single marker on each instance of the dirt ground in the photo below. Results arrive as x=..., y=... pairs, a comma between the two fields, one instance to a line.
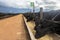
x=13, y=28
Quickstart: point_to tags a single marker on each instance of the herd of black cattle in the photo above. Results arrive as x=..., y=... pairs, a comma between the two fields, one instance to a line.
x=45, y=26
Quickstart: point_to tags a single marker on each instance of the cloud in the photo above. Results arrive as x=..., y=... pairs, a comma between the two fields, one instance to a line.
x=26, y=3
x=14, y=3
x=55, y=4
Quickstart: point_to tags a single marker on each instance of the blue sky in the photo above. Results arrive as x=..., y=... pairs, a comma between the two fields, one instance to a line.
x=46, y=4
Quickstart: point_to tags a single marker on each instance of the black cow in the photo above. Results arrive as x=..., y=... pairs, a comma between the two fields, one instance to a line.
x=44, y=27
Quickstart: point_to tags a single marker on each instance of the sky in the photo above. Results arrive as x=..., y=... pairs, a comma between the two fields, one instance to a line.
x=46, y=4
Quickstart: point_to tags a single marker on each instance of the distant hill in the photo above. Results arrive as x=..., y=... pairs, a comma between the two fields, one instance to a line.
x=5, y=9
x=6, y=15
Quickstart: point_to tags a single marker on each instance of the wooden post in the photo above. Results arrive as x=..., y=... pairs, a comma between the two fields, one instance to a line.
x=32, y=5
x=41, y=13
x=34, y=9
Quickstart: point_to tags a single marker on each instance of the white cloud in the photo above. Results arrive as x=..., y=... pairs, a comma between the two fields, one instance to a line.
x=26, y=3
x=15, y=3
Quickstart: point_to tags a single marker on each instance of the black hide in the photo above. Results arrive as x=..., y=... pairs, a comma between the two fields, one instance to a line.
x=43, y=26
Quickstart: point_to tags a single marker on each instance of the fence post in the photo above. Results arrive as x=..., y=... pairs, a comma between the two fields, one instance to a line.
x=41, y=13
